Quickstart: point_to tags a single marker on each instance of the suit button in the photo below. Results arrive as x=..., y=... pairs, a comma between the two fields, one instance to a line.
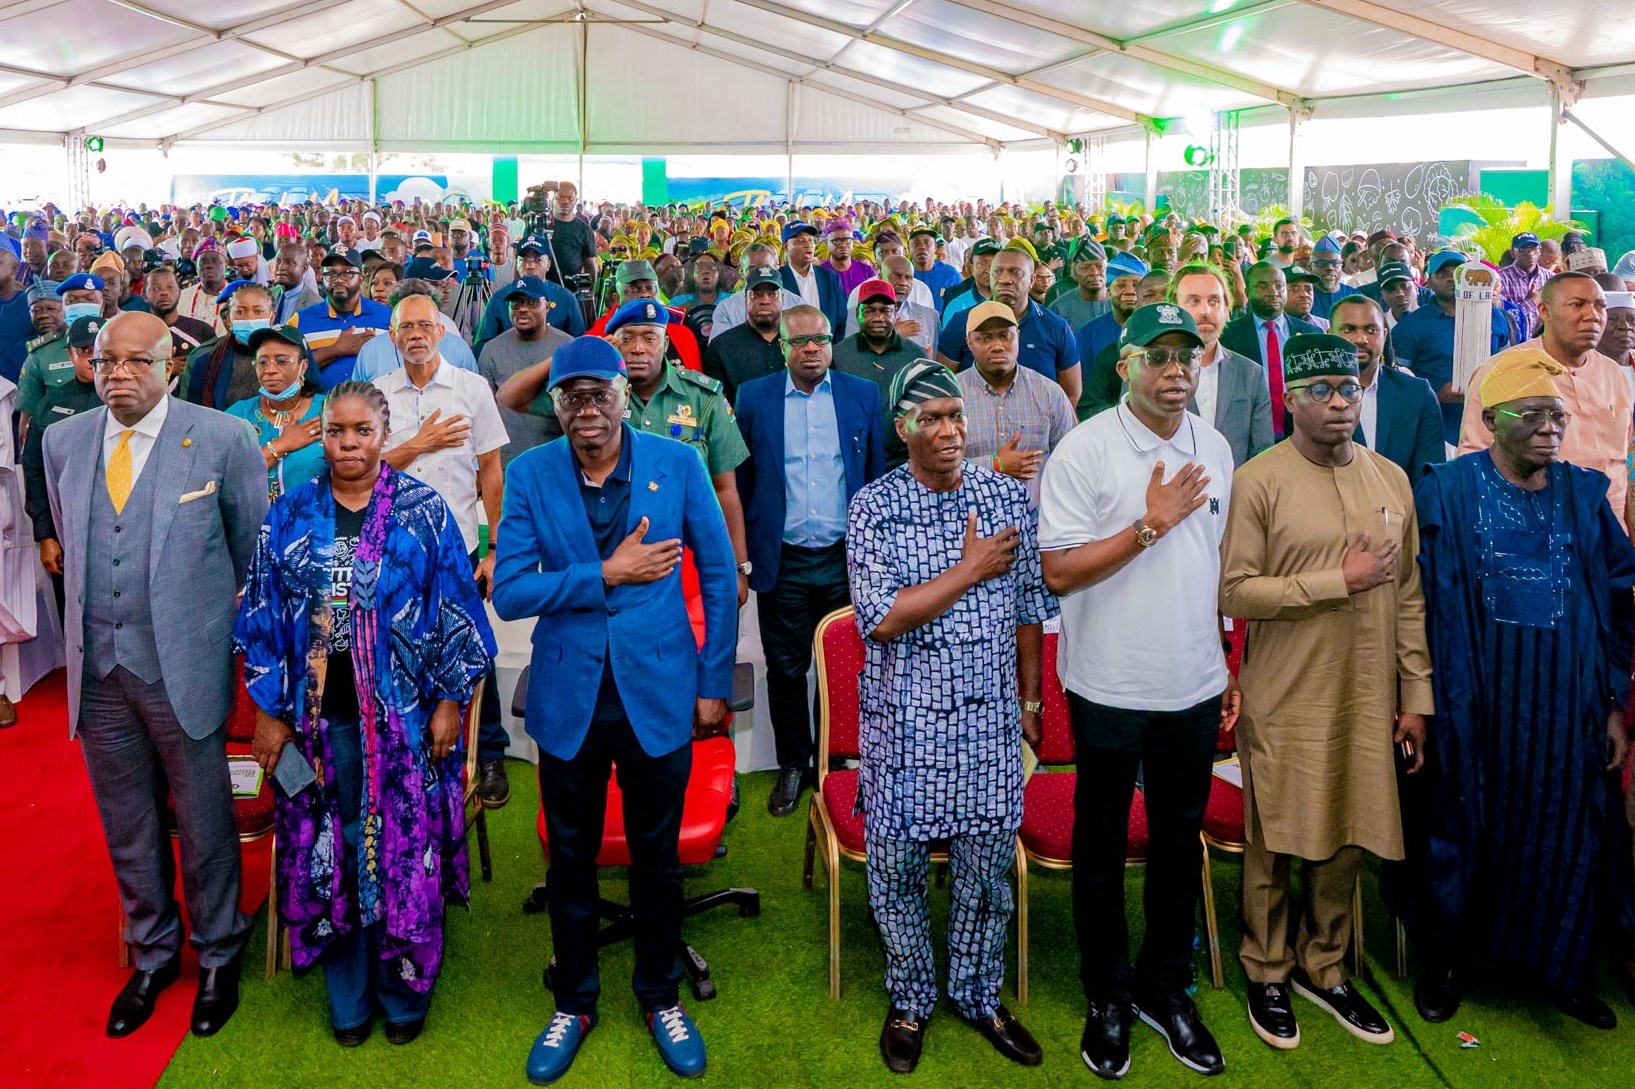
x=117, y=529
x=119, y=626
x=116, y=593
x=116, y=563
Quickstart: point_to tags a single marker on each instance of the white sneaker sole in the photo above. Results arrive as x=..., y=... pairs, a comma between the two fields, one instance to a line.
x=1180, y=1058
x=1282, y=1043
x=1125, y=1069
x=1317, y=1000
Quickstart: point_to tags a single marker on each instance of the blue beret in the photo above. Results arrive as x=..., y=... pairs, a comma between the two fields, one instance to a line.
x=586, y=357
x=639, y=312
x=798, y=228
x=81, y=281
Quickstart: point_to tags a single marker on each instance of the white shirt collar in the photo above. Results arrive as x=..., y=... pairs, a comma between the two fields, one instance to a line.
x=442, y=376
x=148, y=425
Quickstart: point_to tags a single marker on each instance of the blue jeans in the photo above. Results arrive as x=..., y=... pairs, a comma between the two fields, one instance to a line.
x=354, y=974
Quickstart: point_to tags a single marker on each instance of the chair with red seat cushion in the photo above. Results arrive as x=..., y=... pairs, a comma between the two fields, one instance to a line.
x=832, y=820
x=1046, y=836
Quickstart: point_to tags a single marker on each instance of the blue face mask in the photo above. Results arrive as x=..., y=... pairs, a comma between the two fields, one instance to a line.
x=293, y=391
x=243, y=328
x=72, y=312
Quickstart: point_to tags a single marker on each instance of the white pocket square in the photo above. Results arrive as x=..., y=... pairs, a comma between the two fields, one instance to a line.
x=208, y=489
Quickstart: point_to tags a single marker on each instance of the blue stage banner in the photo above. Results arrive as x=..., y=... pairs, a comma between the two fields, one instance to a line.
x=235, y=189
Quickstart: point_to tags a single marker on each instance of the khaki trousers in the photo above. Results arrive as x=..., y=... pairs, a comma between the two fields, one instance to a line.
x=1323, y=933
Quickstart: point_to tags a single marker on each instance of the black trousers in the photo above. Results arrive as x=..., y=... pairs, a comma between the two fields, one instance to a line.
x=811, y=584
x=1175, y=752
x=575, y=798
x=491, y=736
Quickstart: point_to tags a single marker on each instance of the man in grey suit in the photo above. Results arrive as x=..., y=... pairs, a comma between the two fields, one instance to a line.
x=157, y=504
x=1232, y=391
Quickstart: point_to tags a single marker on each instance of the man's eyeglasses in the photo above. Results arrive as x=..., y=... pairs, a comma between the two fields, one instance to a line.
x=1163, y=357
x=575, y=402
x=1325, y=262
x=104, y=365
x=1323, y=392
x=819, y=339
x=419, y=326
x=1535, y=417
x=341, y=274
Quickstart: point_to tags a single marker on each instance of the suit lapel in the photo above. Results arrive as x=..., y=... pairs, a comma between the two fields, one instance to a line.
x=774, y=422
x=172, y=464
x=79, y=476
x=646, y=483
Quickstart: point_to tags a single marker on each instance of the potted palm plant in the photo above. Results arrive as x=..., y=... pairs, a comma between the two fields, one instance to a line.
x=1487, y=224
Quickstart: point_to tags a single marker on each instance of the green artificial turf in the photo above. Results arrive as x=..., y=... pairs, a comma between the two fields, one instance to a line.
x=774, y=1026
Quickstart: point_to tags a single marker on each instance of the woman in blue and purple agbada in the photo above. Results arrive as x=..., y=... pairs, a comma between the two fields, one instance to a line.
x=363, y=636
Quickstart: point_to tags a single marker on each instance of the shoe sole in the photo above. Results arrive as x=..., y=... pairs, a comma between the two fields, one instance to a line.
x=1116, y=1075
x=1271, y=1039
x=497, y=803
x=1311, y=996
x=1180, y=1058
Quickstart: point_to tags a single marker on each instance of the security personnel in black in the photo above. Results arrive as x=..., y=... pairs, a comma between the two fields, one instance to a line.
x=78, y=394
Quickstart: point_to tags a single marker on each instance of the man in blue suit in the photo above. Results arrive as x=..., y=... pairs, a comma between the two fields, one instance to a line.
x=1400, y=418
x=817, y=286
x=814, y=440
x=591, y=541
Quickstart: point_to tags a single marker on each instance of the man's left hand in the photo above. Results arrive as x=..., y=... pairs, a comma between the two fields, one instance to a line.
x=1231, y=704
x=1617, y=741
x=743, y=589
x=709, y=718
x=1033, y=729
x=444, y=729
x=485, y=575
x=1411, y=727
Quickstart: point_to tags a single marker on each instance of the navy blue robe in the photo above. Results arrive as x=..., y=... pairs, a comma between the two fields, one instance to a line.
x=1530, y=645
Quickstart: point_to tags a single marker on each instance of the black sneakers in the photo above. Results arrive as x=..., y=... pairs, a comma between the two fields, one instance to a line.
x=1105, y=1045
x=1176, y=1019
x=1349, y=1008
x=1271, y=1015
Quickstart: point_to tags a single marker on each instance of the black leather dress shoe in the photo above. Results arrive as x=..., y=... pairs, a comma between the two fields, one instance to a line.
x=1271, y=1015
x=1009, y=1037
x=405, y=1032
x=217, y=998
x=1437, y=995
x=1105, y=1045
x=1587, y=1008
x=493, y=788
x=1354, y=1012
x=353, y=1037
x=901, y=1040
x=786, y=792
x=134, y=1004
x=1176, y=1019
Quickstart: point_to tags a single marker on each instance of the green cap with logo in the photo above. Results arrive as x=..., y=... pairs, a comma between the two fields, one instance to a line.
x=1150, y=322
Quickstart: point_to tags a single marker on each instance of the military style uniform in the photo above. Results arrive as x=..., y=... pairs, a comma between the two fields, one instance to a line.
x=689, y=407
x=47, y=367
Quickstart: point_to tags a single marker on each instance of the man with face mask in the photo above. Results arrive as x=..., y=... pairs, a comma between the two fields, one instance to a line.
x=48, y=364
x=337, y=328
x=221, y=372
x=69, y=399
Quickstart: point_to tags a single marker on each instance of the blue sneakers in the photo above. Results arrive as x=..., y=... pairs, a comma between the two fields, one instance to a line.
x=554, y=1049
x=680, y=1045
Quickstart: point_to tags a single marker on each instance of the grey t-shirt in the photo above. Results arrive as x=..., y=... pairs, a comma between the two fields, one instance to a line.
x=504, y=356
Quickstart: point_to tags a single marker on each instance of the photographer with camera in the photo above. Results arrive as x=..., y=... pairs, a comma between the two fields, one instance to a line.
x=569, y=235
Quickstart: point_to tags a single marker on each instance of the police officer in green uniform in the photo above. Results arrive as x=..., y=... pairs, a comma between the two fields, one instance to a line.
x=48, y=364
x=663, y=399
x=70, y=398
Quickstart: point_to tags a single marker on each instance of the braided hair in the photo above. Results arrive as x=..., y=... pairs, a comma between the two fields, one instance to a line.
x=368, y=391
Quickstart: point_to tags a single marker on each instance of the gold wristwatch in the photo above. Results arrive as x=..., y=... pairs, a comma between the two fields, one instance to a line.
x=1145, y=535
x=1033, y=707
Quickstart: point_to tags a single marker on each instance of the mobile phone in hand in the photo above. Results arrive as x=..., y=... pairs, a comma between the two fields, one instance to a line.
x=293, y=773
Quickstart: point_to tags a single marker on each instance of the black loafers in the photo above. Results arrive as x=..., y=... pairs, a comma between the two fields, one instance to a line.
x=493, y=787
x=217, y=998
x=786, y=792
x=1437, y=995
x=135, y=1001
x=1176, y=1019
x=1271, y=1015
x=1350, y=1009
x=1586, y=1007
x=1105, y=1045
x=353, y=1037
x=1009, y=1037
x=901, y=1040
x=404, y=1032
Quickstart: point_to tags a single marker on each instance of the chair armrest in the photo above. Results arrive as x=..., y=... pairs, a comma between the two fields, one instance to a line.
x=743, y=687
x=519, y=698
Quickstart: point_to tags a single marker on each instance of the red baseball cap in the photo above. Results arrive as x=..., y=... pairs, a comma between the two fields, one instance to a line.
x=873, y=289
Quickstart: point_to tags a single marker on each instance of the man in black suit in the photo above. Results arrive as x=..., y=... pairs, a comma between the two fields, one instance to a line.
x=1400, y=418
x=1261, y=333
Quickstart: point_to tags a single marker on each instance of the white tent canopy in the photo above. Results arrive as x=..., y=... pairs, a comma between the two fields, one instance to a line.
x=785, y=76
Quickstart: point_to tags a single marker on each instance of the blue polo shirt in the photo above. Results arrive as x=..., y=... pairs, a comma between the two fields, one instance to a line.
x=1096, y=334
x=1046, y=342
x=939, y=277
x=320, y=326
x=1423, y=342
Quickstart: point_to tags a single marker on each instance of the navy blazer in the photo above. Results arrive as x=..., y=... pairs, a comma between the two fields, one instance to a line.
x=1407, y=423
x=1239, y=334
x=760, y=479
x=548, y=567
x=831, y=296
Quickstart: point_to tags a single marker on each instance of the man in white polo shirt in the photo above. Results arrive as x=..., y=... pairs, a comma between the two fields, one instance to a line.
x=1132, y=510
x=446, y=431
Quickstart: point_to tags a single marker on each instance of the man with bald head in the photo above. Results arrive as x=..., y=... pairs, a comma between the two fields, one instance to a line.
x=150, y=651
x=1261, y=333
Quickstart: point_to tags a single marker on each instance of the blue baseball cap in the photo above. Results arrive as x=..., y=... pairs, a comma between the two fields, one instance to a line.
x=81, y=281
x=535, y=243
x=1441, y=259
x=424, y=268
x=528, y=287
x=1525, y=238
x=586, y=357
x=798, y=227
x=638, y=312
x=1125, y=264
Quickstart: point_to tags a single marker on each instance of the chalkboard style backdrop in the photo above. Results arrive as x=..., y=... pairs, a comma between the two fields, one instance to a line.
x=1403, y=197
x=1188, y=190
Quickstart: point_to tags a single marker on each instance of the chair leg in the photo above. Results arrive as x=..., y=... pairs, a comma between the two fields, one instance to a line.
x=483, y=854
x=811, y=849
x=832, y=857
x=1021, y=925
x=1212, y=926
x=1357, y=956
x=274, y=925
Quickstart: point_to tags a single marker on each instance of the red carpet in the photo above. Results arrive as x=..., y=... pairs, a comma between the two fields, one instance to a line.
x=59, y=916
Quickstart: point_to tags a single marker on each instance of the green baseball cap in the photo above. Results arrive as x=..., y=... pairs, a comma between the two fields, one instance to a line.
x=1150, y=322
x=631, y=271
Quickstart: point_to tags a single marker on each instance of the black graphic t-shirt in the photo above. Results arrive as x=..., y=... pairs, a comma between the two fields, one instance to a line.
x=340, y=686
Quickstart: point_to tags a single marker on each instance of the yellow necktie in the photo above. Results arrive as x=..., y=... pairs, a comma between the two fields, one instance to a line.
x=119, y=472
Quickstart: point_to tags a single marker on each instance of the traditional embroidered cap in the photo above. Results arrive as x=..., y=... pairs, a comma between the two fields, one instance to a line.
x=1318, y=355
x=1088, y=249
x=1125, y=264
x=638, y=312
x=586, y=357
x=109, y=260
x=1521, y=372
x=1152, y=321
x=922, y=380
x=1326, y=244
x=1620, y=300
x=47, y=289
x=242, y=247
x=1587, y=259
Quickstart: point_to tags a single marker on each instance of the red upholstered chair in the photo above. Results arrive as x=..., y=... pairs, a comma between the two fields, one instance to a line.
x=832, y=821
x=254, y=815
x=1046, y=836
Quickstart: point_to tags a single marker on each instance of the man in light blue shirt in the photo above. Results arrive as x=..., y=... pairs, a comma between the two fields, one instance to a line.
x=380, y=356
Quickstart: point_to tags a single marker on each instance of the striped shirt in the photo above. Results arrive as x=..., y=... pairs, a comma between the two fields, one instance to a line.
x=1032, y=405
x=320, y=326
x=1515, y=285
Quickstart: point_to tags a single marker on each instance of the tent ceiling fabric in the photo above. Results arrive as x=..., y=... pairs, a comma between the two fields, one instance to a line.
x=747, y=75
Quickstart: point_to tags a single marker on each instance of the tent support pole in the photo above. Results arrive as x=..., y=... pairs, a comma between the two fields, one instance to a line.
x=1151, y=169
x=1568, y=115
x=791, y=89
x=1297, y=170
x=374, y=140
x=584, y=108
x=1561, y=166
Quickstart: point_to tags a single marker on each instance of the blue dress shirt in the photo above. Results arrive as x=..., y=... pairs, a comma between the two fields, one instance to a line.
x=814, y=476
x=380, y=356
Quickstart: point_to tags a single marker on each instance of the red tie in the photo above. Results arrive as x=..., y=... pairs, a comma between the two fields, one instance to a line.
x=1274, y=375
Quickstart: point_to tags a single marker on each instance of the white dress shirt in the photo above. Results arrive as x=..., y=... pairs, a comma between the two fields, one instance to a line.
x=1209, y=387
x=1370, y=413
x=146, y=434
x=806, y=286
x=452, y=470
